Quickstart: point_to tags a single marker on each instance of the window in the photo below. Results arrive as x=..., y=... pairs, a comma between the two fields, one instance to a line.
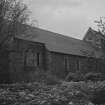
x=66, y=63
x=38, y=56
x=102, y=41
x=32, y=58
x=89, y=38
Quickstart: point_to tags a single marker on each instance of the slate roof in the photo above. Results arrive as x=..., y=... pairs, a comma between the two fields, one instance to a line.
x=58, y=43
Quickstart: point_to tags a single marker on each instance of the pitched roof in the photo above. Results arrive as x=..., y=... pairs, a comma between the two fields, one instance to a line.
x=56, y=42
x=93, y=32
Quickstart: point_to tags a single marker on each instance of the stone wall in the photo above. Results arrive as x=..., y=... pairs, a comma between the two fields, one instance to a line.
x=4, y=65
x=19, y=70
x=62, y=64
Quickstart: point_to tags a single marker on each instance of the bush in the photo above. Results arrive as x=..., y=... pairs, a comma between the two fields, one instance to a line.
x=74, y=77
x=94, y=76
x=97, y=91
x=92, y=91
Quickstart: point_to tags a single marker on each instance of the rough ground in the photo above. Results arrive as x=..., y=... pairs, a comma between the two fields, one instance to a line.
x=66, y=93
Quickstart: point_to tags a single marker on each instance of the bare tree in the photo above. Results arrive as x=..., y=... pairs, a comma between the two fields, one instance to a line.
x=12, y=12
x=101, y=25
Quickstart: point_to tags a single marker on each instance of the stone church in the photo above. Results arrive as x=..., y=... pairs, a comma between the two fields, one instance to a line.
x=34, y=49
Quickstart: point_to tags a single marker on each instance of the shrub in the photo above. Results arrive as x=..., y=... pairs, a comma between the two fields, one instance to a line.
x=92, y=91
x=94, y=76
x=97, y=91
x=74, y=77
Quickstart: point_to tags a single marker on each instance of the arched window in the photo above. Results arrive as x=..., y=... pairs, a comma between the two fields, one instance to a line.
x=32, y=58
x=29, y=58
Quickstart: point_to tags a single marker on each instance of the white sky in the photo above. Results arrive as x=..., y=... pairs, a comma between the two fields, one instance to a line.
x=68, y=17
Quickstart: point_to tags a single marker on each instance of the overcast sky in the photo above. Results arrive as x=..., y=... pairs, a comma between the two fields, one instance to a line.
x=68, y=17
